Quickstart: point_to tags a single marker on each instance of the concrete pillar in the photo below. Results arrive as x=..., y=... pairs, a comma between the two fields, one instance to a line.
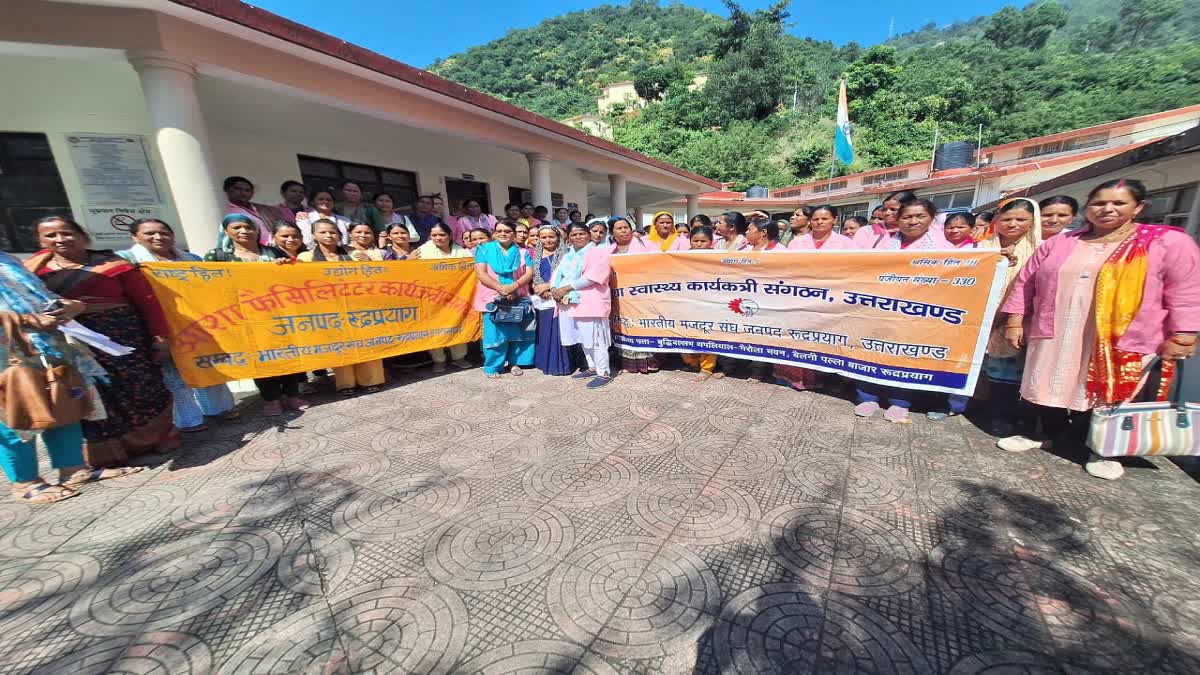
x=616, y=194
x=639, y=215
x=169, y=87
x=693, y=206
x=539, y=179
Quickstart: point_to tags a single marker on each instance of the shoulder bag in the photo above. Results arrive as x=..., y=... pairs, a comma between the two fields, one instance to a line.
x=33, y=397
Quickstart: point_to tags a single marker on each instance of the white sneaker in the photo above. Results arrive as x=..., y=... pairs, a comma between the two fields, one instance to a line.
x=1020, y=444
x=1104, y=468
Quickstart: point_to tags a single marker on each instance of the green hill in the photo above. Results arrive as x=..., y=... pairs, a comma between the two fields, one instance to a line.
x=765, y=114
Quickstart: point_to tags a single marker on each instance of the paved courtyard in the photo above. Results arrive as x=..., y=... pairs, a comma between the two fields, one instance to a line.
x=457, y=525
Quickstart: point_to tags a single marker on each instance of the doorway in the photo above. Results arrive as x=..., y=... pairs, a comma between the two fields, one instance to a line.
x=458, y=189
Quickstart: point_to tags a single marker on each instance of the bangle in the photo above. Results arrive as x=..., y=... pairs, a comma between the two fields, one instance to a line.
x=1012, y=327
x=1174, y=339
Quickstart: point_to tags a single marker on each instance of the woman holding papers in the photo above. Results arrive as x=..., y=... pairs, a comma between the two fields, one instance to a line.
x=154, y=241
x=32, y=318
x=581, y=287
x=120, y=305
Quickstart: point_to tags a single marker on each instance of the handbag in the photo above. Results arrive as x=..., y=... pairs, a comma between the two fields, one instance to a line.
x=32, y=397
x=503, y=312
x=1147, y=429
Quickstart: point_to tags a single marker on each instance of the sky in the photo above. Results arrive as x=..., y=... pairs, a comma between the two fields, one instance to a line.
x=420, y=32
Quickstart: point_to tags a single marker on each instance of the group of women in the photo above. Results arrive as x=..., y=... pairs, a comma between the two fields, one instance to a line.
x=1091, y=317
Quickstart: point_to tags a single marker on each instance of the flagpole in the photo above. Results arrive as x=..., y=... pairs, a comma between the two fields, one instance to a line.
x=832, y=164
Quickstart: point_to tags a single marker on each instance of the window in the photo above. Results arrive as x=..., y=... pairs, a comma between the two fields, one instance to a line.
x=1169, y=206
x=858, y=209
x=953, y=200
x=1068, y=145
x=829, y=187
x=30, y=188
x=520, y=196
x=792, y=192
x=317, y=173
x=885, y=177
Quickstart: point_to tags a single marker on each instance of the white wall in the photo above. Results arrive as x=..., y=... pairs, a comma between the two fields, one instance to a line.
x=258, y=134
x=58, y=97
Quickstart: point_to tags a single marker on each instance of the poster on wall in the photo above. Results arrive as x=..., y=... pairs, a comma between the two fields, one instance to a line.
x=110, y=225
x=113, y=168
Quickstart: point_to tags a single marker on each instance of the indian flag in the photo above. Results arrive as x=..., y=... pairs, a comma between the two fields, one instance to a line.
x=843, y=148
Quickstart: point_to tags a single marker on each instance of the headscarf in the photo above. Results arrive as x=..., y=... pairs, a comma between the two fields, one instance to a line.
x=555, y=257
x=1023, y=250
x=223, y=241
x=663, y=243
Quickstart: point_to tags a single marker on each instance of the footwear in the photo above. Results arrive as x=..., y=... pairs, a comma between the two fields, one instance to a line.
x=598, y=381
x=866, y=408
x=306, y=388
x=272, y=409
x=231, y=415
x=297, y=403
x=584, y=375
x=462, y=364
x=95, y=473
x=516, y=371
x=939, y=416
x=439, y=367
x=701, y=376
x=371, y=389
x=194, y=430
x=347, y=392
x=897, y=415
x=1103, y=468
x=44, y=493
x=1020, y=443
x=492, y=376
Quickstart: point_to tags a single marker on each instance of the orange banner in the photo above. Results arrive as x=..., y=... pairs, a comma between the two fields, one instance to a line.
x=233, y=321
x=916, y=320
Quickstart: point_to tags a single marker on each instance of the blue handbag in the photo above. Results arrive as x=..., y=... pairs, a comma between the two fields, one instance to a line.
x=508, y=312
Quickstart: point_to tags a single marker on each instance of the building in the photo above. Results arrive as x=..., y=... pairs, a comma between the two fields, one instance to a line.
x=118, y=109
x=618, y=94
x=591, y=123
x=1170, y=169
x=999, y=170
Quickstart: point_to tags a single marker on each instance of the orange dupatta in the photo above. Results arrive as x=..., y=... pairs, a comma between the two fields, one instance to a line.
x=1113, y=373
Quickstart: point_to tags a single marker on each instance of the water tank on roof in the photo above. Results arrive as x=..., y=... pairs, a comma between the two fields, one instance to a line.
x=954, y=155
x=756, y=192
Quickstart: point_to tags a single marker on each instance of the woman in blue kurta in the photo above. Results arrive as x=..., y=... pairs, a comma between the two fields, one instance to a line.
x=504, y=271
x=550, y=356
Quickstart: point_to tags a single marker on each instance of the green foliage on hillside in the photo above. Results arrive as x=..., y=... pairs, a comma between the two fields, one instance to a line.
x=765, y=115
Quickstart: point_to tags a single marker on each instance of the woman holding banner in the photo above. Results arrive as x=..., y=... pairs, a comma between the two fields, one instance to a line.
x=913, y=233
x=441, y=246
x=581, y=287
x=120, y=305
x=662, y=232
x=624, y=242
x=1095, y=306
x=884, y=220
x=504, y=270
x=154, y=241
x=798, y=225
x=240, y=245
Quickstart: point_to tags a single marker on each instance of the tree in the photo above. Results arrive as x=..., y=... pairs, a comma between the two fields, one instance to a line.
x=1097, y=35
x=875, y=71
x=1146, y=15
x=748, y=82
x=652, y=81
x=1029, y=28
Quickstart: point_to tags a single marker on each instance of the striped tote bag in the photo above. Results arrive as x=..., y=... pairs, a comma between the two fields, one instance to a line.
x=1147, y=429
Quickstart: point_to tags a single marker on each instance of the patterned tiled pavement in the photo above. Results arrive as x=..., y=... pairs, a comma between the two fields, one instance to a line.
x=459, y=525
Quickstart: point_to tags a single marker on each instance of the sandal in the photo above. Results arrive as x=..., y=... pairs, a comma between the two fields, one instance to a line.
x=96, y=473
x=492, y=376
x=371, y=389
x=231, y=415
x=516, y=371
x=194, y=430
x=45, y=493
x=701, y=376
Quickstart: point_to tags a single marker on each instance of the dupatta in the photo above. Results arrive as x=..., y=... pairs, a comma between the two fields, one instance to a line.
x=1113, y=373
x=663, y=243
x=1023, y=250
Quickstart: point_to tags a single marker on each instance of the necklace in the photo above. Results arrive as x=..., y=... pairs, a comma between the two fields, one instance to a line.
x=1116, y=235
